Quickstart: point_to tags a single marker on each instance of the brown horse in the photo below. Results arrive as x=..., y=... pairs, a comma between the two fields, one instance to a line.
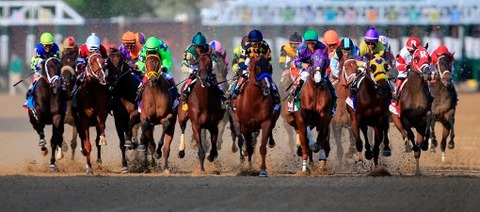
x=316, y=105
x=342, y=120
x=204, y=110
x=371, y=106
x=123, y=88
x=286, y=86
x=91, y=108
x=157, y=108
x=255, y=109
x=444, y=103
x=415, y=104
x=46, y=106
x=69, y=77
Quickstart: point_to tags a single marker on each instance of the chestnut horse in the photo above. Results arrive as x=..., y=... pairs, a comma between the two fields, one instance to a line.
x=444, y=103
x=123, y=88
x=255, y=109
x=69, y=77
x=204, y=110
x=371, y=106
x=316, y=105
x=157, y=108
x=91, y=108
x=46, y=106
x=415, y=104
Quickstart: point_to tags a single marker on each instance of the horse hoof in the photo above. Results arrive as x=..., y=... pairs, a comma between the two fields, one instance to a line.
x=299, y=151
x=368, y=155
x=59, y=155
x=103, y=141
x=52, y=167
x=234, y=149
x=244, y=153
x=387, y=152
x=181, y=154
x=42, y=142
x=158, y=155
x=89, y=171
x=424, y=147
x=322, y=156
x=271, y=143
x=128, y=144
x=44, y=151
x=408, y=148
x=263, y=173
x=451, y=145
x=141, y=148
x=433, y=151
x=124, y=170
x=84, y=152
x=99, y=162
x=64, y=146
x=211, y=157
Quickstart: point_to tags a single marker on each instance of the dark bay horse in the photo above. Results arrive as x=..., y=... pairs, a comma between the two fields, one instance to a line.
x=444, y=103
x=316, y=105
x=415, y=104
x=228, y=117
x=255, y=109
x=157, y=108
x=69, y=77
x=91, y=108
x=204, y=110
x=123, y=88
x=49, y=101
x=371, y=106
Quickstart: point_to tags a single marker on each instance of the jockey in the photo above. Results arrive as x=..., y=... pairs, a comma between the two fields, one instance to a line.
x=345, y=49
x=287, y=53
x=190, y=64
x=92, y=45
x=69, y=46
x=218, y=48
x=403, y=63
x=140, y=37
x=312, y=50
x=47, y=48
x=130, y=49
x=255, y=46
x=156, y=46
x=371, y=45
x=237, y=53
x=330, y=39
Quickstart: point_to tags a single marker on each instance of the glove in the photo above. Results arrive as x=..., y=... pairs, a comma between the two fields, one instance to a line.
x=408, y=67
x=144, y=80
x=164, y=69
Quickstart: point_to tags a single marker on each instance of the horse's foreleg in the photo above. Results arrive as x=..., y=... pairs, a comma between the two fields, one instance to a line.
x=119, y=125
x=213, y=139
x=376, y=146
x=87, y=148
x=323, y=139
x=387, y=152
x=131, y=129
x=337, y=134
x=169, y=132
x=249, y=147
x=368, y=148
x=99, y=146
x=73, y=142
x=266, y=133
x=198, y=138
x=145, y=140
x=221, y=128
x=356, y=133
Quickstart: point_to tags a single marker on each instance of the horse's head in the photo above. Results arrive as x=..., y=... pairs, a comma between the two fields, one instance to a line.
x=260, y=70
x=318, y=68
x=152, y=68
x=95, y=66
x=349, y=68
x=378, y=68
x=421, y=62
x=205, y=68
x=52, y=72
x=443, y=68
x=68, y=62
x=115, y=59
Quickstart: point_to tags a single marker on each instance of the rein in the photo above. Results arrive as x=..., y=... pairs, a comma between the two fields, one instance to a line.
x=154, y=74
x=49, y=78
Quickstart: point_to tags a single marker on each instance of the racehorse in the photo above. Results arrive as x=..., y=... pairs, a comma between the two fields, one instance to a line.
x=254, y=109
x=228, y=117
x=204, y=109
x=48, y=108
x=315, y=109
x=286, y=86
x=444, y=103
x=371, y=106
x=157, y=108
x=123, y=88
x=415, y=104
x=91, y=107
x=69, y=77
x=342, y=119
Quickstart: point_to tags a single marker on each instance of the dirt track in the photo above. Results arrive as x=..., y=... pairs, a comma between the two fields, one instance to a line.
x=26, y=184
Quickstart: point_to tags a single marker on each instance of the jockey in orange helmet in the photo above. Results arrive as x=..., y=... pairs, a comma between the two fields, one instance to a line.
x=130, y=49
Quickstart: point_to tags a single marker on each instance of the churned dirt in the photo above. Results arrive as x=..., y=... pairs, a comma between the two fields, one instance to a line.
x=26, y=184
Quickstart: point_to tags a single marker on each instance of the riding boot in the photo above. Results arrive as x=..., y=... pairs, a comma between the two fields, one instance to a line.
x=398, y=84
x=173, y=88
x=297, y=89
x=187, y=90
x=334, y=95
x=78, y=83
x=140, y=88
x=239, y=84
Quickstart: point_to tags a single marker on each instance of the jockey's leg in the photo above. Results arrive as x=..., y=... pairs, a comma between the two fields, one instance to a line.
x=276, y=95
x=398, y=83
x=78, y=82
x=236, y=91
x=303, y=78
x=187, y=88
x=333, y=93
x=141, y=87
x=173, y=87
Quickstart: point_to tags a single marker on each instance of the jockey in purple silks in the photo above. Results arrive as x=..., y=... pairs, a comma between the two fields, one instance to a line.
x=312, y=51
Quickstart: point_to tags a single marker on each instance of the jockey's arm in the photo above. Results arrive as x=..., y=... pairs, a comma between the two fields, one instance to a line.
x=282, y=61
x=334, y=63
x=141, y=62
